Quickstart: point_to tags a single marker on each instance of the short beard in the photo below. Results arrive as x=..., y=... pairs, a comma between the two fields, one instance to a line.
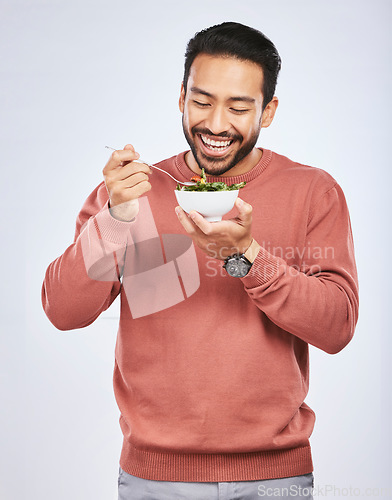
x=204, y=161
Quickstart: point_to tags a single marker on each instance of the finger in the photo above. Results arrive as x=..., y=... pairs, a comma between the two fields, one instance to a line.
x=140, y=189
x=132, y=180
x=186, y=222
x=244, y=212
x=205, y=226
x=122, y=194
x=128, y=170
x=118, y=157
x=128, y=147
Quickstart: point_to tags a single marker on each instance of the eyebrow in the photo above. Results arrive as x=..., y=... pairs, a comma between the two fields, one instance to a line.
x=242, y=98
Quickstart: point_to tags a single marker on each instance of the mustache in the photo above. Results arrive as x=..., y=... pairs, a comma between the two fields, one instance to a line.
x=226, y=135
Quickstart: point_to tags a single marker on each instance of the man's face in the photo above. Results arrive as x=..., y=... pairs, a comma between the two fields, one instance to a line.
x=222, y=111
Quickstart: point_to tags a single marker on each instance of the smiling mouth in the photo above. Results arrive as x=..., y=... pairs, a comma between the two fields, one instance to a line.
x=214, y=145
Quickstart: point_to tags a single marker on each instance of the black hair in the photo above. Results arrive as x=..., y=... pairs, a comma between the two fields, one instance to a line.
x=241, y=42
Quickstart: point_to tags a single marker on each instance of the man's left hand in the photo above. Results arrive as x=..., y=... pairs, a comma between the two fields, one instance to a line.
x=220, y=239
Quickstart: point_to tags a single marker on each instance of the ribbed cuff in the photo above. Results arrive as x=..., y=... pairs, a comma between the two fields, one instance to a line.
x=265, y=267
x=111, y=229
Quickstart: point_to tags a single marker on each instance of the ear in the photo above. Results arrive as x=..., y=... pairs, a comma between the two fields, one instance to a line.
x=181, y=102
x=269, y=112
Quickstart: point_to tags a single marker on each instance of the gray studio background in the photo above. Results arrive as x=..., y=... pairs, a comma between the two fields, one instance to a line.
x=76, y=75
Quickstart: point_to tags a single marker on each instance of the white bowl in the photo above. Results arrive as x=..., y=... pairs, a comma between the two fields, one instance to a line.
x=212, y=205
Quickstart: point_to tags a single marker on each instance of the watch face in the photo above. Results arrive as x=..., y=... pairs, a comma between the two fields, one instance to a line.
x=237, y=268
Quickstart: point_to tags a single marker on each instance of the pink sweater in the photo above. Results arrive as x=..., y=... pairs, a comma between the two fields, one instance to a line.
x=211, y=372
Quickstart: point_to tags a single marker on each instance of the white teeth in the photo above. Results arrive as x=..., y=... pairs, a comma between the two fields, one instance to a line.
x=215, y=144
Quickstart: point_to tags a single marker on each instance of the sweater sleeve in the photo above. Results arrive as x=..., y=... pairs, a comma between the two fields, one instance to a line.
x=318, y=300
x=85, y=279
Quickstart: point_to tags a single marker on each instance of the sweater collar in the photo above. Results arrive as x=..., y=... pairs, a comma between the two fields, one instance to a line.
x=258, y=169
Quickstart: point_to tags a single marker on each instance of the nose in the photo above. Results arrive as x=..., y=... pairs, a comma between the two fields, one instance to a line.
x=217, y=120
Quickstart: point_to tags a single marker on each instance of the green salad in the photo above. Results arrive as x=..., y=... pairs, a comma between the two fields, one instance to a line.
x=203, y=185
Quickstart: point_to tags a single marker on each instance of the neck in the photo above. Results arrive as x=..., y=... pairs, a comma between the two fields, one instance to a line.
x=244, y=166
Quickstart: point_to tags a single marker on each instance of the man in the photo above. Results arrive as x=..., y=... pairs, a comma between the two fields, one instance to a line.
x=211, y=367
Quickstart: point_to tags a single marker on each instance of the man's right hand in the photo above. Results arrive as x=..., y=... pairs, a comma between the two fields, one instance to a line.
x=126, y=180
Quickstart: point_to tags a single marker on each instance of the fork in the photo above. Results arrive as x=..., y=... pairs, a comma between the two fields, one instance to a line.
x=157, y=168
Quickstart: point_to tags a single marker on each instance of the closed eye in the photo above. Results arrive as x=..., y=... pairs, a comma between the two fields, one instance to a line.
x=239, y=111
x=201, y=104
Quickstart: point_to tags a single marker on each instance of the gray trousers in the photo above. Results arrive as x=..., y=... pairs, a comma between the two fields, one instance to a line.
x=135, y=488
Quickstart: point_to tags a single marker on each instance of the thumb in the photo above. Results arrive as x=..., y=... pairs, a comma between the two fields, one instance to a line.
x=245, y=211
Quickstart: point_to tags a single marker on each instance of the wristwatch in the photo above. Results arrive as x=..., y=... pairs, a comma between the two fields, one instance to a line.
x=237, y=265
